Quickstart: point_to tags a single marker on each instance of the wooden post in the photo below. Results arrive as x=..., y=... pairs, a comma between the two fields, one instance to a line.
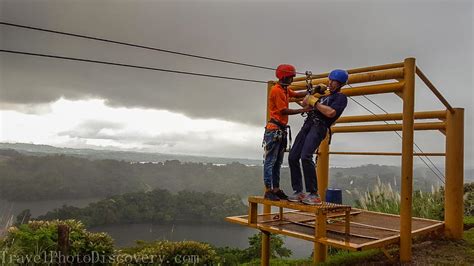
x=320, y=250
x=253, y=213
x=407, y=160
x=454, y=192
x=265, y=261
x=348, y=224
x=63, y=243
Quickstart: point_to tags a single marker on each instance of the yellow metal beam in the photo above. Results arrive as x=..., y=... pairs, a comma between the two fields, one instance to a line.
x=454, y=203
x=355, y=70
x=322, y=167
x=387, y=74
x=433, y=89
x=320, y=250
x=366, y=90
x=387, y=127
x=387, y=117
x=407, y=160
x=386, y=153
x=266, y=208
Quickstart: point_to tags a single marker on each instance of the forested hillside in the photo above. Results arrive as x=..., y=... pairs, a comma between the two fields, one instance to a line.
x=157, y=206
x=64, y=177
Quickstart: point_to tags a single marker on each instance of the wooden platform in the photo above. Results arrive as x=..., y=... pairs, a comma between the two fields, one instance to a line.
x=346, y=228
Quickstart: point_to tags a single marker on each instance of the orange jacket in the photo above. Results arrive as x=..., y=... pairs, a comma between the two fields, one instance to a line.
x=278, y=101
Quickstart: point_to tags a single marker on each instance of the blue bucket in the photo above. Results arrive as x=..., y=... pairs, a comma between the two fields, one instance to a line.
x=334, y=195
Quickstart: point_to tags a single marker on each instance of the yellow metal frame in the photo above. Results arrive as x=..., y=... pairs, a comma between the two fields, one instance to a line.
x=402, y=82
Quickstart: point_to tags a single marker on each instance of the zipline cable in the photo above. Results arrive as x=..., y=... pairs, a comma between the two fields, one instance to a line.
x=416, y=145
x=168, y=70
x=130, y=66
x=398, y=134
x=136, y=45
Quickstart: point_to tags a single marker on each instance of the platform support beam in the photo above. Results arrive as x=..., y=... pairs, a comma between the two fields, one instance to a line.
x=265, y=261
x=267, y=208
x=454, y=203
x=322, y=167
x=320, y=250
x=322, y=174
x=407, y=160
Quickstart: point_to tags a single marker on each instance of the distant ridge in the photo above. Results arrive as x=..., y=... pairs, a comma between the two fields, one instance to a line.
x=131, y=156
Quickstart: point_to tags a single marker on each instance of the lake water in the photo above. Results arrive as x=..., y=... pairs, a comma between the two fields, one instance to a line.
x=218, y=235
x=125, y=235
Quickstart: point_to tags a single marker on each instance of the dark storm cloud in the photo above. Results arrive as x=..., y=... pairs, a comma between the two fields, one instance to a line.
x=317, y=36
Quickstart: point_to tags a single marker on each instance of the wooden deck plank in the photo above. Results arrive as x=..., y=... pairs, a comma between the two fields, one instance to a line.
x=370, y=227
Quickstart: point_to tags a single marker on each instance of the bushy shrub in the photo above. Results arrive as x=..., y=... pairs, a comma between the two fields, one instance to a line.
x=168, y=253
x=469, y=199
x=383, y=198
x=41, y=238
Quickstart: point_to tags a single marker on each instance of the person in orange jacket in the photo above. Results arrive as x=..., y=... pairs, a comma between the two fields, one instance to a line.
x=275, y=137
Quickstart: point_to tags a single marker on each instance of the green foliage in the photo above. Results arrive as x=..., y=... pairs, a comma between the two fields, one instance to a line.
x=469, y=221
x=154, y=206
x=233, y=256
x=37, y=237
x=65, y=177
x=383, y=198
x=277, y=248
x=23, y=217
x=469, y=199
x=169, y=253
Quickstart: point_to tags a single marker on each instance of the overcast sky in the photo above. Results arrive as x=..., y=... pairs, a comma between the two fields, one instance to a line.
x=72, y=104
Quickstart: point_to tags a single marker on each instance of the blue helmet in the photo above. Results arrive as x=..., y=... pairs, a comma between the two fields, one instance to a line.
x=339, y=75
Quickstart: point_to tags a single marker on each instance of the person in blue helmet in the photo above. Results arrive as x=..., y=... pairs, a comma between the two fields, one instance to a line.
x=325, y=112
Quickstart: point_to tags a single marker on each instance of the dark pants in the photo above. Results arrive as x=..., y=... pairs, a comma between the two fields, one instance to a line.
x=306, y=143
x=274, y=145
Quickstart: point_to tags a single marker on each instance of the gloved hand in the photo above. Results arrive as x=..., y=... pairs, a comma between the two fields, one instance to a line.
x=320, y=88
x=310, y=100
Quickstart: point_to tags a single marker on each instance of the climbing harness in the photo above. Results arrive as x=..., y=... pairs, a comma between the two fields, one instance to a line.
x=282, y=132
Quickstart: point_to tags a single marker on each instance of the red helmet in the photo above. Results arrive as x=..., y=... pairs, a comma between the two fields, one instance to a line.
x=284, y=71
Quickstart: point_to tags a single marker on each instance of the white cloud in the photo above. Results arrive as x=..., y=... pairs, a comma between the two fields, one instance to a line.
x=87, y=123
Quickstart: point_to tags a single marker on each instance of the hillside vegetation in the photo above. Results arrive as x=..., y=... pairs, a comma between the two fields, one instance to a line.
x=26, y=178
x=157, y=206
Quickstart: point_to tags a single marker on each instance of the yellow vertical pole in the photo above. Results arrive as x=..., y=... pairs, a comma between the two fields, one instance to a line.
x=320, y=250
x=322, y=167
x=322, y=173
x=407, y=160
x=454, y=203
x=265, y=260
x=267, y=208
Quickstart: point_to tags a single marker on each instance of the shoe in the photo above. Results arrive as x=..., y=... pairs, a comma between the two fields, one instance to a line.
x=312, y=199
x=269, y=195
x=280, y=194
x=297, y=197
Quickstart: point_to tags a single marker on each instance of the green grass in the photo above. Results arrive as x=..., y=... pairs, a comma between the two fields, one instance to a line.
x=347, y=258
x=469, y=221
x=340, y=258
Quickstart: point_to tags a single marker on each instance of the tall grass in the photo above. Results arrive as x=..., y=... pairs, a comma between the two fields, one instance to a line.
x=383, y=198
